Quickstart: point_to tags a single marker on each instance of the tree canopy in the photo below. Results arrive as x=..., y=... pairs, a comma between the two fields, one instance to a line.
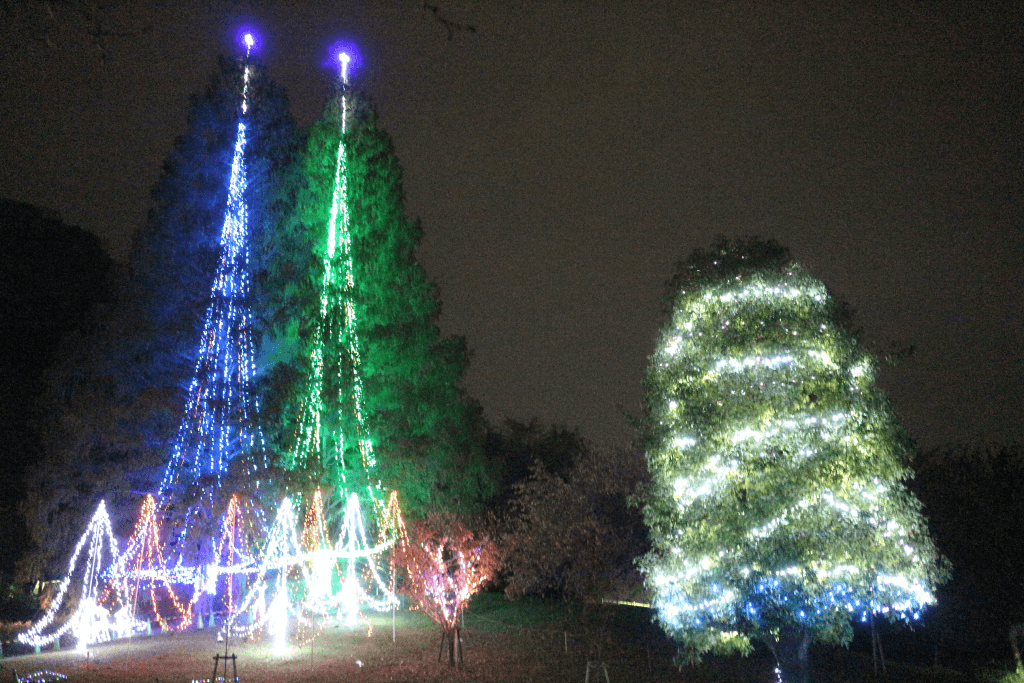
x=53, y=277
x=575, y=534
x=778, y=509
x=114, y=401
x=974, y=498
x=371, y=322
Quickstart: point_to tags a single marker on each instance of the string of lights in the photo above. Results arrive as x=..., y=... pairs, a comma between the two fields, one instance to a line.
x=332, y=395
x=305, y=579
x=142, y=565
x=445, y=565
x=298, y=581
x=90, y=622
x=779, y=470
x=219, y=420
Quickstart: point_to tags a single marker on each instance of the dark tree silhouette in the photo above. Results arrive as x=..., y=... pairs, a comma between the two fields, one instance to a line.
x=52, y=276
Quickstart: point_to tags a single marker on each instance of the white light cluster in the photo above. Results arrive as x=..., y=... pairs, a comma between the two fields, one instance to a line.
x=761, y=291
x=90, y=623
x=110, y=577
x=736, y=365
x=316, y=570
x=773, y=395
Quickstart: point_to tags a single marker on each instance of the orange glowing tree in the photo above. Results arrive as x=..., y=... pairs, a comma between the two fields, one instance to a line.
x=445, y=564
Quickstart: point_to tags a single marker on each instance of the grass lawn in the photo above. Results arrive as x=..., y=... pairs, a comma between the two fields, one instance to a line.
x=527, y=641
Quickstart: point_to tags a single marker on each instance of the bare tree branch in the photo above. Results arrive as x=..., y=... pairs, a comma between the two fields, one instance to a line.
x=450, y=26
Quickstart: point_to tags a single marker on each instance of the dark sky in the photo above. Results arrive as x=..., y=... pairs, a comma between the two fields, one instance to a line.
x=568, y=152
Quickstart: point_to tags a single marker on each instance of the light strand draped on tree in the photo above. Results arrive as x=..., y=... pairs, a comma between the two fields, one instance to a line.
x=380, y=406
x=778, y=510
x=115, y=402
x=220, y=420
x=445, y=564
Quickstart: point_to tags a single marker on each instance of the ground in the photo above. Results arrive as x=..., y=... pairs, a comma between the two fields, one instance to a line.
x=525, y=642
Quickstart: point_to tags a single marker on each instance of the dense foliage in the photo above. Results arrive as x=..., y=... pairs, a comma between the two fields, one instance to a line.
x=174, y=257
x=373, y=323
x=513, y=449
x=114, y=401
x=53, y=276
x=574, y=534
x=974, y=499
x=778, y=509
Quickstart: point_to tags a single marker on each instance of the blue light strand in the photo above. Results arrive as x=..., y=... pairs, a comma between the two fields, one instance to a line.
x=218, y=422
x=40, y=676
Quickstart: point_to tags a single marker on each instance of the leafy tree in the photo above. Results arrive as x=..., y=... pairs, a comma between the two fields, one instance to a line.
x=514, y=449
x=221, y=419
x=445, y=564
x=571, y=532
x=974, y=498
x=380, y=377
x=176, y=255
x=98, y=426
x=575, y=535
x=777, y=510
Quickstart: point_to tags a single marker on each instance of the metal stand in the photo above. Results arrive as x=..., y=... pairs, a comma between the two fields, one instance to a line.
x=452, y=641
x=216, y=665
x=234, y=659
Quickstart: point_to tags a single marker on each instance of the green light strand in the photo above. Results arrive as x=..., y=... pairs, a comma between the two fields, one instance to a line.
x=338, y=273
x=340, y=205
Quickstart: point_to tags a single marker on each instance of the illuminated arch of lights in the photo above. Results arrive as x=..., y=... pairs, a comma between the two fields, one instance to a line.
x=299, y=578
x=90, y=623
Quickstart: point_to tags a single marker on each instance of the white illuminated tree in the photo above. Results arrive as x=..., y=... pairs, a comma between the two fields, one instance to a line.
x=778, y=511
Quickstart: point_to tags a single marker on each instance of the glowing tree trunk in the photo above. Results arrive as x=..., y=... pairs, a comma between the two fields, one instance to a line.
x=445, y=565
x=219, y=420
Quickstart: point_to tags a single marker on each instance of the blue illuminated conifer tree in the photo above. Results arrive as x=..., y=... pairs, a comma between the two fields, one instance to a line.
x=114, y=404
x=220, y=420
x=778, y=511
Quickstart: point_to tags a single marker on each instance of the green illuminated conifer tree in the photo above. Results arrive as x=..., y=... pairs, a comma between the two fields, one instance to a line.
x=380, y=401
x=778, y=511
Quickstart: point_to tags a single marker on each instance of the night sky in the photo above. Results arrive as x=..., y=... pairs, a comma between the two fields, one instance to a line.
x=565, y=154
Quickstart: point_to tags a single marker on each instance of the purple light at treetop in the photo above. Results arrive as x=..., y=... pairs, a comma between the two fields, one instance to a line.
x=248, y=39
x=343, y=48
